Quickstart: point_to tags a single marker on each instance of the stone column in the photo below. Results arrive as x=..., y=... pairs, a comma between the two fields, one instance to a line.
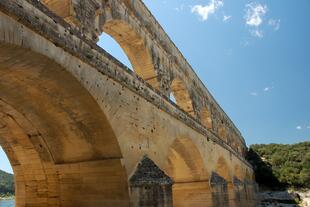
x=150, y=186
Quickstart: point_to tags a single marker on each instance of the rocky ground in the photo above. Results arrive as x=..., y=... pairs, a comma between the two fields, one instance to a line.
x=284, y=199
x=305, y=197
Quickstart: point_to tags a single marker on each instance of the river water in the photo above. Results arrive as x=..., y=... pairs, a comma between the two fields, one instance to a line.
x=7, y=203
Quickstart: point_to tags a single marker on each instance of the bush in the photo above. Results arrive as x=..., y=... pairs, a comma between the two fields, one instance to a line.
x=281, y=165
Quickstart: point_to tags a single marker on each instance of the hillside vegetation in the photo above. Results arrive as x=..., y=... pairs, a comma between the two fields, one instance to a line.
x=6, y=184
x=278, y=165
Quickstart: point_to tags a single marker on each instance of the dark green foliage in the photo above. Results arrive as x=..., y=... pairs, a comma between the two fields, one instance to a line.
x=281, y=165
x=6, y=184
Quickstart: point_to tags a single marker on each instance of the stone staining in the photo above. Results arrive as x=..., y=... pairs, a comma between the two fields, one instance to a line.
x=238, y=185
x=150, y=186
x=219, y=190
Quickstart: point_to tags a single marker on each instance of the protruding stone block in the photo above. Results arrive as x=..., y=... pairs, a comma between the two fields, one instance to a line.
x=150, y=186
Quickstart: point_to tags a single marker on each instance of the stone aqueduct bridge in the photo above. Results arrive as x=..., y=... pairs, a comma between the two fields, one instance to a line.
x=80, y=129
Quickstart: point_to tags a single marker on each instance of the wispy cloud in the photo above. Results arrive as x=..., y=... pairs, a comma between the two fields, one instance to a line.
x=226, y=18
x=268, y=88
x=205, y=11
x=257, y=33
x=254, y=17
x=263, y=90
x=180, y=8
x=308, y=127
x=274, y=23
x=299, y=128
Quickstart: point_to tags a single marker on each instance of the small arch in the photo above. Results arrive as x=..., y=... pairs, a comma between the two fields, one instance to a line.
x=135, y=48
x=185, y=162
x=206, y=118
x=238, y=172
x=248, y=175
x=222, y=184
x=172, y=98
x=182, y=96
x=222, y=169
x=185, y=165
x=222, y=132
x=111, y=46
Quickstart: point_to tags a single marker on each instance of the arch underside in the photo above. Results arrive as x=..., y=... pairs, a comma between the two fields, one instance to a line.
x=185, y=165
x=58, y=140
x=182, y=96
x=134, y=46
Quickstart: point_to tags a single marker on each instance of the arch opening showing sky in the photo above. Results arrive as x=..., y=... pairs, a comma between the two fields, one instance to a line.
x=4, y=162
x=111, y=46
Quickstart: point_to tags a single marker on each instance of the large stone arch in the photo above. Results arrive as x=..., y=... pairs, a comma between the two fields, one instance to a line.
x=29, y=158
x=134, y=46
x=60, y=143
x=186, y=167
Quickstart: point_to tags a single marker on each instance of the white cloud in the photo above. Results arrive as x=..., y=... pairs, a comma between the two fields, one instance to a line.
x=226, y=18
x=275, y=23
x=254, y=94
x=298, y=127
x=254, y=14
x=254, y=17
x=205, y=11
x=266, y=89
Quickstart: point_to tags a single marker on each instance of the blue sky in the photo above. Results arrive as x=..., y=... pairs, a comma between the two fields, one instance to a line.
x=254, y=57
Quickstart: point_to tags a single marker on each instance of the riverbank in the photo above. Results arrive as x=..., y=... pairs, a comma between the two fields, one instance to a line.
x=289, y=198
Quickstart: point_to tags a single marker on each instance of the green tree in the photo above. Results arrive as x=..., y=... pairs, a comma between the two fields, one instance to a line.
x=281, y=165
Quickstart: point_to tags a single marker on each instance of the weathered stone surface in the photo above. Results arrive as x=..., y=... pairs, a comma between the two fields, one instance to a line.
x=77, y=121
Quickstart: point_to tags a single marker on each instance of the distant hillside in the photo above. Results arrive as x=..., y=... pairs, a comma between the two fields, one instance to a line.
x=278, y=165
x=6, y=183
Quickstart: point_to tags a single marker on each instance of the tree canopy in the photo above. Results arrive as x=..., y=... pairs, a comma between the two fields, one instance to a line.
x=6, y=183
x=281, y=165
